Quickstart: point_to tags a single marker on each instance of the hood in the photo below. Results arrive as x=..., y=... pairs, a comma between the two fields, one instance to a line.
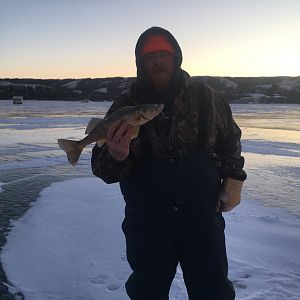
x=156, y=31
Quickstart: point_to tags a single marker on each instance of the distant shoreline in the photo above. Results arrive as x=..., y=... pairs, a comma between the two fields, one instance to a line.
x=107, y=100
x=279, y=89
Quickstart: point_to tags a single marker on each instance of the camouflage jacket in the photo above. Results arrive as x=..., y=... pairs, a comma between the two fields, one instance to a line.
x=200, y=120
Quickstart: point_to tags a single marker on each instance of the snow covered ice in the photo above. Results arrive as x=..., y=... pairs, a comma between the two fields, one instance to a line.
x=69, y=243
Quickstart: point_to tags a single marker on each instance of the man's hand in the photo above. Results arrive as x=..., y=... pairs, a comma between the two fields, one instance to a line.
x=230, y=195
x=224, y=202
x=118, y=139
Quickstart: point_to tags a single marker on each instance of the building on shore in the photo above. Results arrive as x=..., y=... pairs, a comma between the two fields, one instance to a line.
x=17, y=99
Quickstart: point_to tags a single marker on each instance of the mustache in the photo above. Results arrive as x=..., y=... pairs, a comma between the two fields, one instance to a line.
x=160, y=68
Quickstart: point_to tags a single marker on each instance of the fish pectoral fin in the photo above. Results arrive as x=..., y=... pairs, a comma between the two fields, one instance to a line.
x=135, y=133
x=92, y=124
x=100, y=143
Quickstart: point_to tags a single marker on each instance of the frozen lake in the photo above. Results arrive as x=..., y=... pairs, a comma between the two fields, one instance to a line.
x=271, y=146
x=28, y=149
x=30, y=161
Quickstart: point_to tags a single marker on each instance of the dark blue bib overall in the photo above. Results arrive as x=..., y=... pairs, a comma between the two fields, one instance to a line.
x=170, y=217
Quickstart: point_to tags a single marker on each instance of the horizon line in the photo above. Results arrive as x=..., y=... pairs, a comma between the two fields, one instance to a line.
x=81, y=78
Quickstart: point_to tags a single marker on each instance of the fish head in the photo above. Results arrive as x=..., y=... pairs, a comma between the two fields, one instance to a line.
x=144, y=113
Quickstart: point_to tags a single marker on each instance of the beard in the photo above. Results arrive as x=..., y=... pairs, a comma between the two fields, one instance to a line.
x=160, y=77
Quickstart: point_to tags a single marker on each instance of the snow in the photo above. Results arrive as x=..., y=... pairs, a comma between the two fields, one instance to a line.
x=290, y=84
x=102, y=90
x=69, y=244
x=124, y=83
x=5, y=83
x=73, y=239
x=255, y=95
x=228, y=83
x=72, y=84
x=72, y=243
x=23, y=85
x=104, y=83
x=264, y=86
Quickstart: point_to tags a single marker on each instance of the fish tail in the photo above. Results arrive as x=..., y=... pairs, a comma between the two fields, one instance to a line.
x=72, y=148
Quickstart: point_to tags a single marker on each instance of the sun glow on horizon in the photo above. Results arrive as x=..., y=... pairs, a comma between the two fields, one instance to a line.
x=58, y=40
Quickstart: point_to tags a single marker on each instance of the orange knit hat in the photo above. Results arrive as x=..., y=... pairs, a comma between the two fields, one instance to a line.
x=157, y=43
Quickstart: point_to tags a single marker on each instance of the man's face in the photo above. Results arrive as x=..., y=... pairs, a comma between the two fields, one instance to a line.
x=159, y=66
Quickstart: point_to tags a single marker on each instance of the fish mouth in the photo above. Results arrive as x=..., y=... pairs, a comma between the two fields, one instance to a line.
x=160, y=107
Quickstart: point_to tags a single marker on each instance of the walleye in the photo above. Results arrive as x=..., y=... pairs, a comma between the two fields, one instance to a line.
x=133, y=115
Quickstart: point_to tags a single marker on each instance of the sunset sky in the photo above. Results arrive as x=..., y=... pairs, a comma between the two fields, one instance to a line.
x=96, y=38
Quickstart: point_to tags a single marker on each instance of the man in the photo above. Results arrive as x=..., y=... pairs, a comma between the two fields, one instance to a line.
x=176, y=177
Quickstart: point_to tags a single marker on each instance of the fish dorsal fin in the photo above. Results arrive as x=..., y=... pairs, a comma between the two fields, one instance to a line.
x=92, y=124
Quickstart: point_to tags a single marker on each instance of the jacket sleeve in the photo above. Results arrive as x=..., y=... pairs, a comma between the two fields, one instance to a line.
x=229, y=143
x=103, y=164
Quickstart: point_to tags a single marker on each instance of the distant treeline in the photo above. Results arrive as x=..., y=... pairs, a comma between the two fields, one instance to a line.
x=234, y=89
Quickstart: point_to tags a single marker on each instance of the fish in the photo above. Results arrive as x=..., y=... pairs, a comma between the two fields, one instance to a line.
x=134, y=115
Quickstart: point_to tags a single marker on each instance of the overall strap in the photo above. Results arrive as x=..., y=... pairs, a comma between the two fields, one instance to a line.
x=145, y=142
